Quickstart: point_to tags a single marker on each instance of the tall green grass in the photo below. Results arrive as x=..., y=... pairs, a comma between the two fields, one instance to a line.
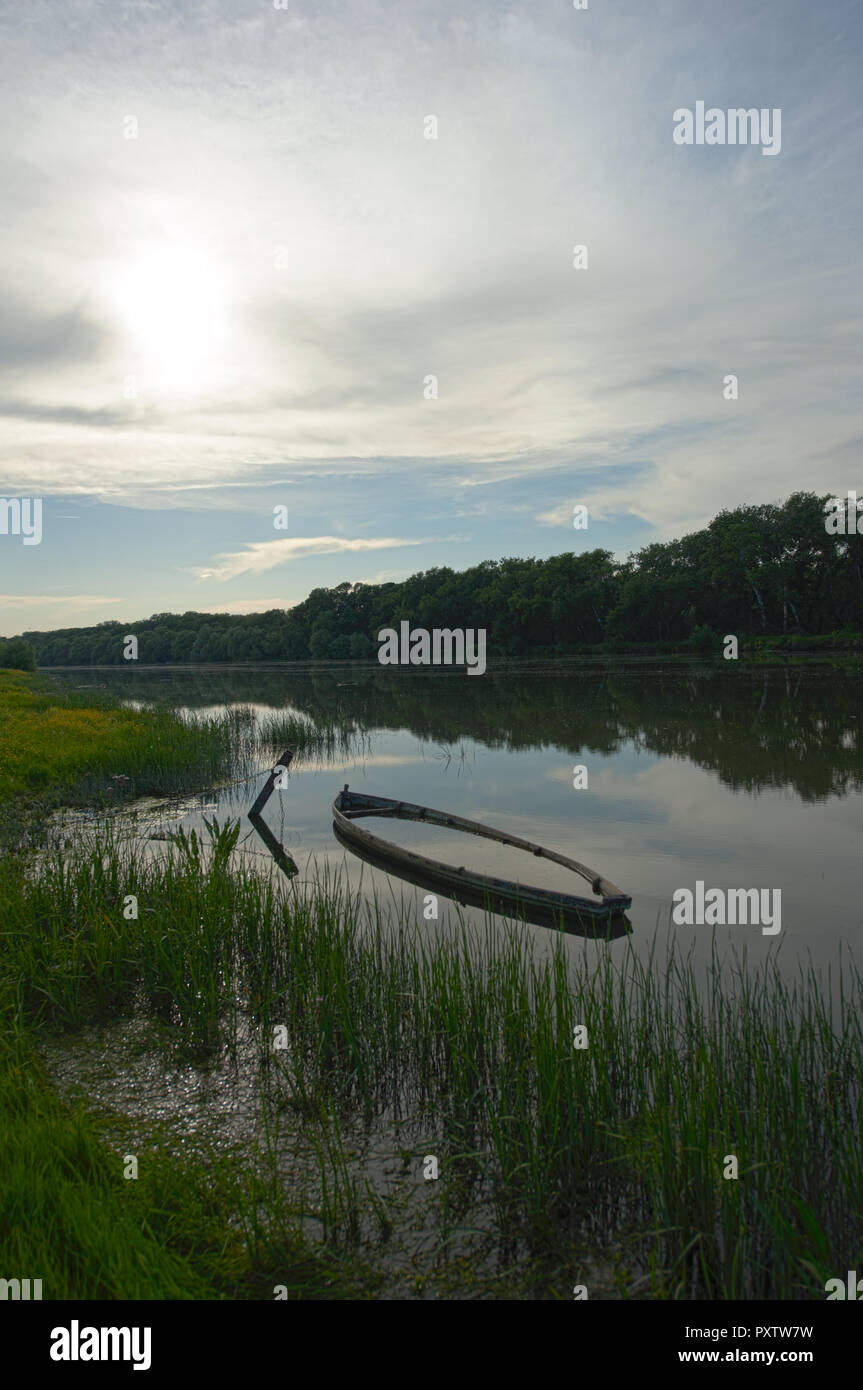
x=60, y=747
x=184, y=1228
x=325, y=737
x=623, y=1142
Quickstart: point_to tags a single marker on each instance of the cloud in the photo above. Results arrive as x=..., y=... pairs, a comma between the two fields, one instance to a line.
x=452, y=257
x=110, y=417
x=597, y=510
x=557, y=516
x=33, y=340
x=44, y=612
x=35, y=600
x=265, y=555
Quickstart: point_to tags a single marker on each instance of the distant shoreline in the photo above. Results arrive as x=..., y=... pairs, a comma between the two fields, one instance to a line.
x=821, y=645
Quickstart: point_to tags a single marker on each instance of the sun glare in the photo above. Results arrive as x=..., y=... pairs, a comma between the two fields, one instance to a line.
x=171, y=301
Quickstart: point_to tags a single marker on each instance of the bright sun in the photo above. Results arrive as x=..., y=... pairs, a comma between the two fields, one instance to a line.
x=171, y=300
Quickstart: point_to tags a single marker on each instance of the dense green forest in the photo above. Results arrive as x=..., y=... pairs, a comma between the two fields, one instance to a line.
x=772, y=569
x=17, y=655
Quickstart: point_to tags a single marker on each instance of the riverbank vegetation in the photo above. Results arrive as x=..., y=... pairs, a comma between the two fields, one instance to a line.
x=562, y=1157
x=61, y=747
x=550, y=1149
x=185, y=1228
x=757, y=571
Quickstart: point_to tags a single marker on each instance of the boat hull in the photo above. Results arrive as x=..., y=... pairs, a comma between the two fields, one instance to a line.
x=543, y=906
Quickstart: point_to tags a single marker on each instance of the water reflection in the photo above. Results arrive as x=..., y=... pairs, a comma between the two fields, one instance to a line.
x=277, y=850
x=736, y=775
x=795, y=726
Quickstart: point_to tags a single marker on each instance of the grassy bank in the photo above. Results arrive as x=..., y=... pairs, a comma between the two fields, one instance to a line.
x=183, y=1228
x=62, y=747
x=846, y=640
x=619, y=1146
x=705, y=642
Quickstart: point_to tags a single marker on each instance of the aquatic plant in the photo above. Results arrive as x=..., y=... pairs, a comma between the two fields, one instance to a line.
x=622, y=1141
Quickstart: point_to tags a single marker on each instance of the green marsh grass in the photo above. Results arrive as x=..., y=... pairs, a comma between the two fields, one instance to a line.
x=183, y=1229
x=59, y=747
x=326, y=738
x=620, y=1146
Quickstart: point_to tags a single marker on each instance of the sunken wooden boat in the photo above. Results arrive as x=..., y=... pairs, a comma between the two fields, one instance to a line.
x=544, y=906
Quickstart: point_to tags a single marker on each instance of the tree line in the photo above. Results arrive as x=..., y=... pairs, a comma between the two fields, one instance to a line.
x=765, y=570
x=17, y=655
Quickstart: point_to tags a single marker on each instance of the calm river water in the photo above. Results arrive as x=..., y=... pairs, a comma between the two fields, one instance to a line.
x=746, y=776
x=735, y=775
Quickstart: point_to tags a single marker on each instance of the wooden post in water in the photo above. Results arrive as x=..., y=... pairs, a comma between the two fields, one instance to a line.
x=282, y=858
x=267, y=789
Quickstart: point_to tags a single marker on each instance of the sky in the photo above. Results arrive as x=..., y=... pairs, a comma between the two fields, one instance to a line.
x=241, y=274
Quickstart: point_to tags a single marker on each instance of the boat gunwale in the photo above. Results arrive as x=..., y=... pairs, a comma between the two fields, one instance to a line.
x=612, y=900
